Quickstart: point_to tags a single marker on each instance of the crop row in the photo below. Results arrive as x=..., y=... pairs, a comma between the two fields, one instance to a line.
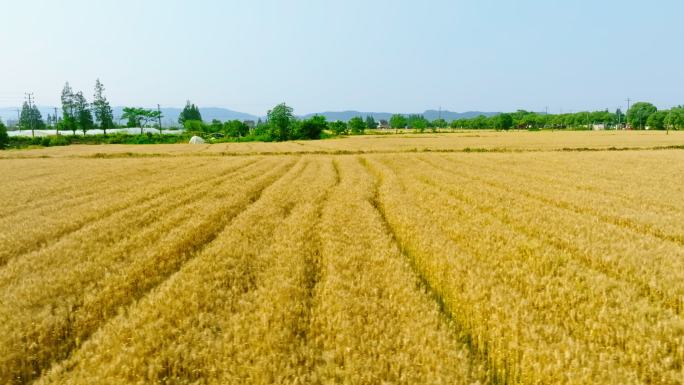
x=55, y=297
x=535, y=311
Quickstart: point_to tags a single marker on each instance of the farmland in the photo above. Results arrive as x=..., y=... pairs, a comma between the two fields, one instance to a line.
x=475, y=257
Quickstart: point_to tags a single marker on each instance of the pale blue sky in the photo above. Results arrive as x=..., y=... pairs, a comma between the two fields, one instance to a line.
x=396, y=56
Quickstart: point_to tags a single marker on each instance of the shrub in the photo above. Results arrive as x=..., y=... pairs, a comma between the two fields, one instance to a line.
x=4, y=138
x=59, y=140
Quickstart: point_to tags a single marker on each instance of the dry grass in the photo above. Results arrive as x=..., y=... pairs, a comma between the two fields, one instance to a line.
x=386, y=266
x=445, y=142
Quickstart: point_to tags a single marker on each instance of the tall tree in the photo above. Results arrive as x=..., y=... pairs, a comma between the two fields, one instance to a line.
x=4, y=138
x=103, y=111
x=439, y=123
x=398, y=121
x=139, y=117
x=190, y=112
x=69, y=120
x=371, y=124
x=656, y=121
x=339, y=127
x=25, y=117
x=280, y=120
x=31, y=118
x=503, y=122
x=638, y=114
x=357, y=125
x=37, y=118
x=417, y=122
x=675, y=119
x=84, y=117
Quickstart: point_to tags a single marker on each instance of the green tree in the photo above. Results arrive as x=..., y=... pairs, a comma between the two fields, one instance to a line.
x=371, y=124
x=524, y=119
x=398, y=121
x=417, y=122
x=25, y=120
x=357, y=125
x=638, y=114
x=84, y=118
x=339, y=127
x=675, y=118
x=139, y=117
x=69, y=120
x=656, y=121
x=190, y=112
x=312, y=128
x=216, y=125
x=440, y=123
x=103, y=111
x=503, y=122
x=4, y=138
x=193, y=125
x=280, y=120
x=37, y=117
x=31, y=118
x=235, y=128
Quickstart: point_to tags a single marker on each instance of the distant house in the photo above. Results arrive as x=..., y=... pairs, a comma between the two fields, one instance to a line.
x=383, y=125
x=249, y=123
x=598, y=127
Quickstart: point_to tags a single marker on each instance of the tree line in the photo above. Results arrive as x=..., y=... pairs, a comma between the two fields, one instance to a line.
x=640, y=116
x=281, y=123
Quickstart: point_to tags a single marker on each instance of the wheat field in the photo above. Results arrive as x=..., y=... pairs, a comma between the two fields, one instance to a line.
x=369, y=260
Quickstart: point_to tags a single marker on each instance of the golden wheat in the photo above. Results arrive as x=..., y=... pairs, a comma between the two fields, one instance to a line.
x=364, y=260
x=511, y=141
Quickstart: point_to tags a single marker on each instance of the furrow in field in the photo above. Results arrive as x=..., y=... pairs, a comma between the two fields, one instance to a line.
x=80, y=299
x=512, y=295
x=635, y=214
x=273, y=320
x=662, y=287
x=595, y=176
x=232, y=314
x=372, y=320
x=654, y=266
x=100, y=179
x=617, y=170
x=31, y=234
x=52, y=178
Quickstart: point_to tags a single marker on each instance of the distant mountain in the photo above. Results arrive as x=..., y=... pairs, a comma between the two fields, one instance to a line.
x=429, y=114
x=170, y=114
x=449, y=115
x=347, y=115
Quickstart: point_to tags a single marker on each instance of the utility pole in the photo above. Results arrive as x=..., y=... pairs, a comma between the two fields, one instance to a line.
x=29, y=95
x=618, y=113
x=159, y=117
x=627, y=112
x=588, y=127
x=54, y=119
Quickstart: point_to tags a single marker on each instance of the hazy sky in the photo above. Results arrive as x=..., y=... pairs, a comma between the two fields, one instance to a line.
x=395, y=56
